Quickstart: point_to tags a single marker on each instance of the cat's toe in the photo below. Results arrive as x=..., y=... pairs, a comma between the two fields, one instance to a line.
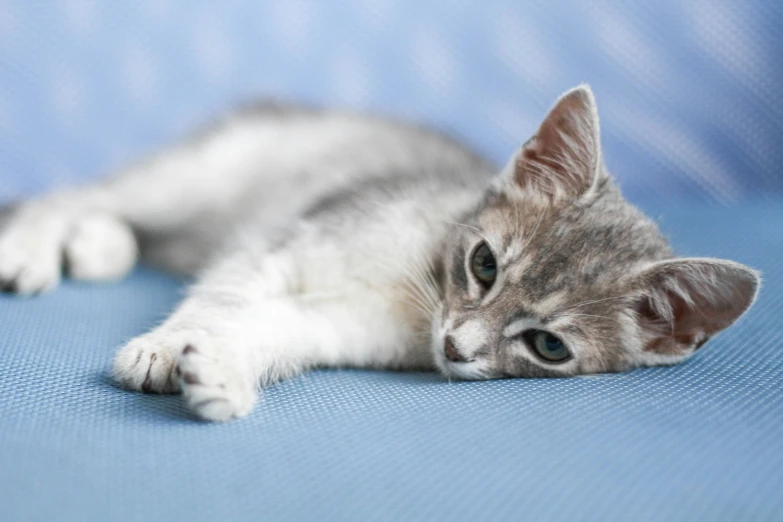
x=214, y=388
x=146, y=365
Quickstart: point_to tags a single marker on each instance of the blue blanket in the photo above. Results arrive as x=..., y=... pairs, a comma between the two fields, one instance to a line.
x=701, y=441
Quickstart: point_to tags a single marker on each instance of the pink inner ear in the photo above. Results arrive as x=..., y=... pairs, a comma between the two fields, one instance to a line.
x=687, y=301
x=562, y=159
x=671, y=337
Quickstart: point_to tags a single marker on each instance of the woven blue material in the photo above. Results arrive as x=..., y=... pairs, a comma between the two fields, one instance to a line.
x=701, y=441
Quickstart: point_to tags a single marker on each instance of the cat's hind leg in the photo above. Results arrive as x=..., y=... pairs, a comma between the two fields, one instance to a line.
x=183, y=199
x=40, y=239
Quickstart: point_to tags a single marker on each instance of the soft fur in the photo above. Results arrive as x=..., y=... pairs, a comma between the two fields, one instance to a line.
x=323, y=238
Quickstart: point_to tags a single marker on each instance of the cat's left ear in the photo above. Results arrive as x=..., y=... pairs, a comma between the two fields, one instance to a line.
x=563, y=160
x=680, y=303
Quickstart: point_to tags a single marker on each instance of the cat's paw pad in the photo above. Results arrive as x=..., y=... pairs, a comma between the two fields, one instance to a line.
x=213, y=387
x=146, y=364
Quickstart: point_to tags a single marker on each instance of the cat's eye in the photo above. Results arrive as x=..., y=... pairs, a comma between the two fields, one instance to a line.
x=547, y=346
x=483, y=265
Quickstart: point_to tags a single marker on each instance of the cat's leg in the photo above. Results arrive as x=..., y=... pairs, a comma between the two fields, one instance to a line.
x=221, y=303
x=217, y=355
x=244, y=325
x=40, y=236
x=176, y=197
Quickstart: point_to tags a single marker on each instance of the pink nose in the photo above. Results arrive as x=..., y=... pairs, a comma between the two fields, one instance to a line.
x=452, y=354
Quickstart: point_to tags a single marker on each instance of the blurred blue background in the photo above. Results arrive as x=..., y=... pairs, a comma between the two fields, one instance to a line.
x=688, y=92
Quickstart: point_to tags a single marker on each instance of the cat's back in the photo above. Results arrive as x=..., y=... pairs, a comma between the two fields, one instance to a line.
x=301, y=161
x=291, y=135
x=342, y=145
x=269, y=166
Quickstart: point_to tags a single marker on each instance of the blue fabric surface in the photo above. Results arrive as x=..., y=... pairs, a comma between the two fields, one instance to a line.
x=701, y=441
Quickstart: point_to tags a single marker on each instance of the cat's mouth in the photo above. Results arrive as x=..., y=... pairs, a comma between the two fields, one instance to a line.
x=452, y=364
x=469, y=371
x=453, y=353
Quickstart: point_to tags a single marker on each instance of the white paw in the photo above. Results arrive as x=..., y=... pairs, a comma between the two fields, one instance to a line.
x=100, y=248
x=40, y=236
x=30, y=255
x=147, y=364
x=207, y=370
x=216, y=386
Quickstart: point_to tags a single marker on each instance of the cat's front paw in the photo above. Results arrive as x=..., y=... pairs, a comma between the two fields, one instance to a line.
x=216, y=387
x=208, y=371
x=147, y=364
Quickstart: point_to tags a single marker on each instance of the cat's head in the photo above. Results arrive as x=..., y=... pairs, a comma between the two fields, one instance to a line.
x=555, y=274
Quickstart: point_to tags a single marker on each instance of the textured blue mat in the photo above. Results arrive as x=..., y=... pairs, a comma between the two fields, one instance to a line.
x=702, y=441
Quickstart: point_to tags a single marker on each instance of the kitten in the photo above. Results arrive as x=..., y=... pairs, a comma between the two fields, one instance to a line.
x=330, y=239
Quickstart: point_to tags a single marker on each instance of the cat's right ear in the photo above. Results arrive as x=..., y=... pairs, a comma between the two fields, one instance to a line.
x=563, y=160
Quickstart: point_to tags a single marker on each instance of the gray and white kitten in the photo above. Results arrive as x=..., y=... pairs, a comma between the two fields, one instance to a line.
x=323, y=238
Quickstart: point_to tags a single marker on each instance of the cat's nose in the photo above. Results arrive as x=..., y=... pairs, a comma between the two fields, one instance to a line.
x=452, y=354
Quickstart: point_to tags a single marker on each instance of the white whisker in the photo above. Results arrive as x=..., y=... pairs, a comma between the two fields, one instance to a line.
x=479, y=232
x=583, y=303
x=590, y=315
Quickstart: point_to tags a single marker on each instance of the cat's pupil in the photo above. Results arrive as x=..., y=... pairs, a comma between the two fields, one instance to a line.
x=552, y=343
x=483, y=265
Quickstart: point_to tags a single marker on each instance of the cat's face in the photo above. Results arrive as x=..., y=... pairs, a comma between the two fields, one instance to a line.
x=554, y=274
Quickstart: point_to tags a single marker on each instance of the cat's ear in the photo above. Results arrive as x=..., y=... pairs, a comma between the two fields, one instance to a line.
x=681, y=303
x=563, y=160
